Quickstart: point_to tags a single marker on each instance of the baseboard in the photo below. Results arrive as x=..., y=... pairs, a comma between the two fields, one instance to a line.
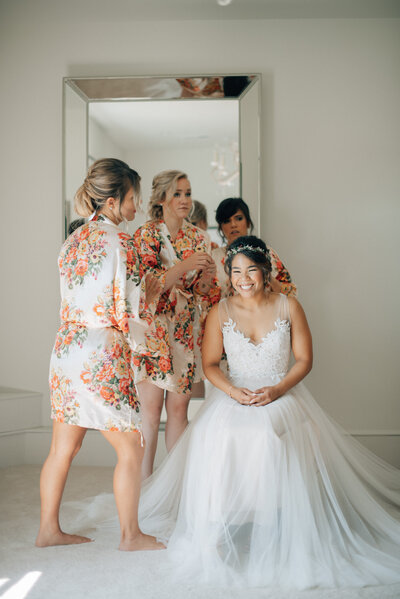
x=31, y=446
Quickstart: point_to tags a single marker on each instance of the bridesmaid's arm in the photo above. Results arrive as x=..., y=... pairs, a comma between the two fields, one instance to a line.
x=212, y=350
x=148, y=246
x=302, y=351
x=281, y=281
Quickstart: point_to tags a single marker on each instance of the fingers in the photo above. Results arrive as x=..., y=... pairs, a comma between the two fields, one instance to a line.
x=263, y=399
x=152, y=283
x=247, y=396
x=262, y=403
x=248, y=392
x=152, y=288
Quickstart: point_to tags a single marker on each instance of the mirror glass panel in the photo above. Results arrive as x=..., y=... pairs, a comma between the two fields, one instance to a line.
x=206, y=126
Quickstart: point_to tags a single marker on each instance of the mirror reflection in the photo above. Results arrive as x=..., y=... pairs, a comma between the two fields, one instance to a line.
x=205, y=126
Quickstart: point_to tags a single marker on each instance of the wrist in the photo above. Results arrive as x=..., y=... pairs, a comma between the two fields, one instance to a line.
x=278, y=390
x=180, y=270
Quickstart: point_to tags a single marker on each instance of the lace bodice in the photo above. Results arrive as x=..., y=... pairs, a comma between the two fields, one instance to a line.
x=267, y=361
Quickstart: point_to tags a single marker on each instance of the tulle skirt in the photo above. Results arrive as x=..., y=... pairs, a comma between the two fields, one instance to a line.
x=275, y=495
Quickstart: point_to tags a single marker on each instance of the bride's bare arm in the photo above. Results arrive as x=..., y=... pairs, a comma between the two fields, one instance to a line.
x=302, y=351
x=212, y=350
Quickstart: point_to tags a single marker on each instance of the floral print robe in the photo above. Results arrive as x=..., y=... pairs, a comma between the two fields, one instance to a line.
x=278, y=271
x=172, y=359
x=103, y=319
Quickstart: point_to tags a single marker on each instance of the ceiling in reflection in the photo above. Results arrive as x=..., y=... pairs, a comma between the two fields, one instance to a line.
x=168, y=123
x=148, y=88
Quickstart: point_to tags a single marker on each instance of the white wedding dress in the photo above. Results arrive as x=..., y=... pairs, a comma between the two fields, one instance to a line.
x=275, y=495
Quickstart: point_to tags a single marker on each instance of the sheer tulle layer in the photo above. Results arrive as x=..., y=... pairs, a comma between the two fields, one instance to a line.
x=277, y=495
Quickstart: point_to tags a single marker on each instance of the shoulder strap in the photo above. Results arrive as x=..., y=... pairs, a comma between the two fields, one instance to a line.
x=223, y=312
x=283, y=308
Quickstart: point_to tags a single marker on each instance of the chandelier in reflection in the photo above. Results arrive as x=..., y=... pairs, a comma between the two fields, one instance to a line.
x=225, y=164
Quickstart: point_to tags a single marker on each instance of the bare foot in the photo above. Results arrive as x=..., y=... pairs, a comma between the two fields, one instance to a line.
x=59, y=538
x=141, y=542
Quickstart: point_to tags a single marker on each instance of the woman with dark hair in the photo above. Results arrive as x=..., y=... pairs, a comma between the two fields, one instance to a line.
x=104, y=314
x=233, y=218
x=263, y=488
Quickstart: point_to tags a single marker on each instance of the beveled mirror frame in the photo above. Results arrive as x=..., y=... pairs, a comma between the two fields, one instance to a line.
x=79, y=92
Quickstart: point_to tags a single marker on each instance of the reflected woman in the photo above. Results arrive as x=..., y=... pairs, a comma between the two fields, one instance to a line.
x=198, y=217
x=234, y=220
x=178, y=254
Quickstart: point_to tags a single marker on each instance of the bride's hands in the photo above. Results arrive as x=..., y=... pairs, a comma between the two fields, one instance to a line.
x=264, y=396
x=242, y=395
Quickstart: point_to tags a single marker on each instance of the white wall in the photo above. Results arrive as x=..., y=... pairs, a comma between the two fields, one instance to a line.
x=100, y=143
x=330, y=177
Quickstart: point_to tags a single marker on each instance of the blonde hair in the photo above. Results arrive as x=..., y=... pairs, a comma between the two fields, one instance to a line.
x=163, y=183
x=106, y=178
x=198, y=213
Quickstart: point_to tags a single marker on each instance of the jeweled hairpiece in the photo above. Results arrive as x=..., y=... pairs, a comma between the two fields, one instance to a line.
x=236, y=250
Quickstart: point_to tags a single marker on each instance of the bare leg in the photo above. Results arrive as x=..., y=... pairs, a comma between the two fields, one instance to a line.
x=127, y=477
x=176, y=406
x=65, y=444
x=151, y=401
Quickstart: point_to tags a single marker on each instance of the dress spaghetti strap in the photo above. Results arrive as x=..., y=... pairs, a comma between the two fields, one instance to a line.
x=223, y=312
x=283, y=308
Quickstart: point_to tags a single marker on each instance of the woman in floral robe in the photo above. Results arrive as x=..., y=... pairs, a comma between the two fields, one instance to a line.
x=104, y=315
x=233, y=218
x=178, y=254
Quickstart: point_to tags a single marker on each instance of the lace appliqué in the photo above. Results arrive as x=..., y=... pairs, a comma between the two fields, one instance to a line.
x=269, y=358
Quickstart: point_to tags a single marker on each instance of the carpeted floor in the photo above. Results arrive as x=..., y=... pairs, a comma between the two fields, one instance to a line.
x=97, y=570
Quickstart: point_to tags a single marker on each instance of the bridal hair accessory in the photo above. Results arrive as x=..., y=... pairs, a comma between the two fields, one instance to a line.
x=233, y=251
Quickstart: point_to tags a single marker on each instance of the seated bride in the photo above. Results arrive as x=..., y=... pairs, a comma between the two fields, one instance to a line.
x=263, y=488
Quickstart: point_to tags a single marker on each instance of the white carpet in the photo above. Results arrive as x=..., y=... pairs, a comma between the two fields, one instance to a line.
x=97, y=570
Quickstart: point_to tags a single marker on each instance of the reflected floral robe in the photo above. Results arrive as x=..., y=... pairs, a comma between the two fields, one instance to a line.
x=279, y=271
x=173, y=357
x=103, y=319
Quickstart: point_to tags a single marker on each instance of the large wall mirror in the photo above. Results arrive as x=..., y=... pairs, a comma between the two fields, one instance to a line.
x=207, y=126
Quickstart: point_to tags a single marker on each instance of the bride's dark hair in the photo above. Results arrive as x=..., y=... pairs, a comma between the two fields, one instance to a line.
x=253, y=248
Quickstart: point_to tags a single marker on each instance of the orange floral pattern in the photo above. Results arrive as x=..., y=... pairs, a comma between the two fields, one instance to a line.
x=172, y=359
x=104, y=318
x=72, y=331
x=82, y=254
x=108, y=373
x=64, y=405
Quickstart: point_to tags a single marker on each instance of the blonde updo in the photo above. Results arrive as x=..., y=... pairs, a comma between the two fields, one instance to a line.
x=106, y=178
x=164, y=184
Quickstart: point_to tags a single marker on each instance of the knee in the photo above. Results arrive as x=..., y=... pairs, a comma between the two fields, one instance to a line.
x=66, y=451
x=177, y=410
x=132, y=452
x=152, y=415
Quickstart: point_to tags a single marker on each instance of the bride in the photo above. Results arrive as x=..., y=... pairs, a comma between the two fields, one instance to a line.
x=263, y=488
